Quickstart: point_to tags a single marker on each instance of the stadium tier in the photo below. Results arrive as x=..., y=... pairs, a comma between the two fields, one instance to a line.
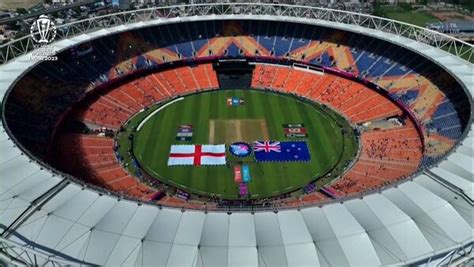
x=387, y=116
x=387, y=155
x=119, y=75
x=424, y=88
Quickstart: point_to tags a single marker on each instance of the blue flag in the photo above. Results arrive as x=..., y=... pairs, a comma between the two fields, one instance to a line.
x=245, y=173
x=281, y=151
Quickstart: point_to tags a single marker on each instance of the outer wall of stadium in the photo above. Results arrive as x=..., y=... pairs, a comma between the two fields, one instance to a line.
x=411, y=204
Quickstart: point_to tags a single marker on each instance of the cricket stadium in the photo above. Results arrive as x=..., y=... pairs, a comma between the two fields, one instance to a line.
x=236, y=134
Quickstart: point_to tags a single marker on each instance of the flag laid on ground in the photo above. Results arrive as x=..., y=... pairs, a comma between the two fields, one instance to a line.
x=281, y=151
x=246, y=174
x=243, y=190
x=185, y=133
x=294, y=130
x=197, y=155
x=293, y=125
x=235, y=101
x=237, y=174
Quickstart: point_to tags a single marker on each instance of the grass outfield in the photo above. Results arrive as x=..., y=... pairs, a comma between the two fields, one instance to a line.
x=329, y=148
x=418, y=18
x=405, y=13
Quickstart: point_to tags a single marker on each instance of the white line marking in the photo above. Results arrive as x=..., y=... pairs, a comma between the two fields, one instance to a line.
x=156, y=111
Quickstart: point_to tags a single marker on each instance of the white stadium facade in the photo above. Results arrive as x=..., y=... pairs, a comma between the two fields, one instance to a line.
x=47, y=218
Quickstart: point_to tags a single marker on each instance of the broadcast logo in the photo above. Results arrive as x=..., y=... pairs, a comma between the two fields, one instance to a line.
x=43, y=32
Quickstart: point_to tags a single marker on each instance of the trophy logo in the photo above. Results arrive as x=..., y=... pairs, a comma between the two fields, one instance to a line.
x=43, y=30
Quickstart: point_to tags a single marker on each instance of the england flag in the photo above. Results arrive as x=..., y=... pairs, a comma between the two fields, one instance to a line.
x=197, y=155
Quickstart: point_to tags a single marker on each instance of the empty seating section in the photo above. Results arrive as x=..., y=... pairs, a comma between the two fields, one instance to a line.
x=432, y=108
x=106, y=112
x=307, y=199
x=445, y=121
x=355, y=101
x=307, y=83
x=32, y=113
x=95, y=160
x=112, y=108
x=386, y=156
x=295, y=78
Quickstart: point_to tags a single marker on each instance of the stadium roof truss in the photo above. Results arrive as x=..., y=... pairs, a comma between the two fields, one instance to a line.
x=46, y=218
x=439, y=40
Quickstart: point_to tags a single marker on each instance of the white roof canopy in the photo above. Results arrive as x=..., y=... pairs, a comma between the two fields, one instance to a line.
x=400, y=225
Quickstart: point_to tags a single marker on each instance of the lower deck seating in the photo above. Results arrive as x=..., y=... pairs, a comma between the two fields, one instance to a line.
x=112, y=108
x=95, y=161
x=386, y=155
x=357, y=102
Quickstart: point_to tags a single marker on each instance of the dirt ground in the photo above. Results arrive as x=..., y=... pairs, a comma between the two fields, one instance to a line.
x=229, y=131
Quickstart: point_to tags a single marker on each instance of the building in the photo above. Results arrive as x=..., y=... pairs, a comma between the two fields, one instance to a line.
x=453, y=26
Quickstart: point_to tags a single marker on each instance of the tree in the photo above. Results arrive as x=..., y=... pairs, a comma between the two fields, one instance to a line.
x=21, y=10
x=77, y=9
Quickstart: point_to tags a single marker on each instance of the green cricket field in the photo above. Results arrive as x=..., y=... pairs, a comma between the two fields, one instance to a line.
x=330, y=140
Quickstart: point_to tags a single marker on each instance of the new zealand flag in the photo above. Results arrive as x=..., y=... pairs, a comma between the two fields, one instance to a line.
x=281, y=151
